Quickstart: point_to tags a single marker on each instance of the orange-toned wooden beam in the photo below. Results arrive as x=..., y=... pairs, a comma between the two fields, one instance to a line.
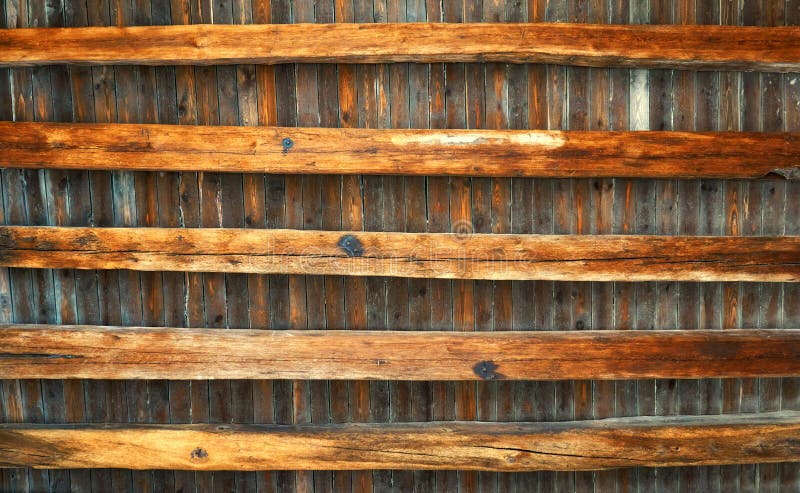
x=425, y=255
x=498, y=153
x=94, y=352
x=576, y=445
x=666, y=46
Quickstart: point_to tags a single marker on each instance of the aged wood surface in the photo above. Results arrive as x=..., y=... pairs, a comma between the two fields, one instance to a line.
x=416, y=255
x=474, y=96
x=775, y=49
x=485, y=153
x=95, y=352
x=565, y=446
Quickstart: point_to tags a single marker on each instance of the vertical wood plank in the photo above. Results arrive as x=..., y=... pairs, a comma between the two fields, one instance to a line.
x=256, y=190
x=602, y=220
x=438, y=206
x=55, y=289
x=382, y=313
x=790, y=387
x=711, y=222
x=773, y=196
x=279, y=210
x=14, y=479
x=24, y=193
x=79, y=213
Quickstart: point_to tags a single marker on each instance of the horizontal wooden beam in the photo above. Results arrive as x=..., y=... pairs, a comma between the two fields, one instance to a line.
x=577, y=445
x=423, y=255
x=660, y=46
x=93, y=352
x=499, y=153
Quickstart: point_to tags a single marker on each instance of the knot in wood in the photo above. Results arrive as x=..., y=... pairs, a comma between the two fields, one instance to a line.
x=351, y=245
x=486, y=370
x=199, y=454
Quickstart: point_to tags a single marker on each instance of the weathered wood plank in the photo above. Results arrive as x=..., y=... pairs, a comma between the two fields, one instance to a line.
x=432, y=255
x=485, y=153
x=571, y=445
x=692, y=47
x=99, y=352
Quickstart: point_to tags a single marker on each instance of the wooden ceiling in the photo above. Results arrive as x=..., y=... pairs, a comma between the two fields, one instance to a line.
x=103, y=351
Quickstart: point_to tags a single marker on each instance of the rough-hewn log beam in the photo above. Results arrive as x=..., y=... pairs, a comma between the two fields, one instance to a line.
x=686, y=47
x=426, y=255
x=583, y=445
x=93, y=352
x=402, y=152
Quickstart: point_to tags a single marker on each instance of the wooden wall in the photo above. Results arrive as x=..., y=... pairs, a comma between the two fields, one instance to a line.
x=494, y=96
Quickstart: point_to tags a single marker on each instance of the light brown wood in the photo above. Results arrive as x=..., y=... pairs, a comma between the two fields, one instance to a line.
x=93, y=352
x=582, y=445
x=426, y=255
x=688, y=47
x=404, y=152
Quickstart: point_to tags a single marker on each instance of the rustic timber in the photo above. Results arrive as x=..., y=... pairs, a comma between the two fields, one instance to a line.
x=489, y=153
x=687, y=47
x=428, y=255
x=575, y=445
x=96, y=352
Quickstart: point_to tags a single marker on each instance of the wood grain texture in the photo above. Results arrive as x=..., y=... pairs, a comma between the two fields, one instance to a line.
x=429, y=255
x=571, y=445
x=691, y=47
x=400, y=100
x=350, y=151
x=98, y=352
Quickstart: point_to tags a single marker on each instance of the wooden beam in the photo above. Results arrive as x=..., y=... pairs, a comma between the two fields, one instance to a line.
x=656, y=46
x=577, y=445
x=537, y=153
x=93, y=352
x=425, y=255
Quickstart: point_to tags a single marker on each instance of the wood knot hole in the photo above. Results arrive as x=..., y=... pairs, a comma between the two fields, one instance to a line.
x=486, y=370
x=351, y=245
x=199, y=454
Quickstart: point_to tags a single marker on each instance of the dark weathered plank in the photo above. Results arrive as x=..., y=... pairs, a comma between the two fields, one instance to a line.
x=790, y=387
x=485, y=153
x=694, y=47
x=433, y=255
x=571, y=445
x=97, y=352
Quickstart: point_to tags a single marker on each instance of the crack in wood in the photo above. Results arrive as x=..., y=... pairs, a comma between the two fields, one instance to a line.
x=38, y=355
x=557, y=454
